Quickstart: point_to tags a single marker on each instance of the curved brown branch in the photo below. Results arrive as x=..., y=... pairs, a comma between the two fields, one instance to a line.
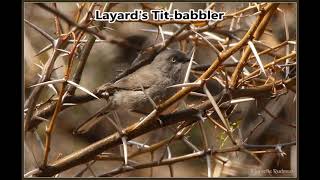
x=199, y=154
x=247, y=52
x=50, y=128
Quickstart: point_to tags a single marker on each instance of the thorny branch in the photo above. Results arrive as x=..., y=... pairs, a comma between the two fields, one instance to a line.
x=49, y=129
x=68, y=20
x=257, y=34
x=206, y=152
x=133, y=131
x=187, y=117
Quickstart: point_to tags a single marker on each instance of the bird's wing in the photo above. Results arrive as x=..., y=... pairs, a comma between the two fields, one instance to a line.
x=143, y=77
x=86, y=125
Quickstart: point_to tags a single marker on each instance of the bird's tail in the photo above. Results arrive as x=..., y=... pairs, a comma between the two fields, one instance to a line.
x=86, y=125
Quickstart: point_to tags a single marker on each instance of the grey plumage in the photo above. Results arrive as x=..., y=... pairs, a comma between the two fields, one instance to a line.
x=168, y=68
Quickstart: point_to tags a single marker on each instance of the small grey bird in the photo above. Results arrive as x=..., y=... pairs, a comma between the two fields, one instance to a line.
x=168, y=68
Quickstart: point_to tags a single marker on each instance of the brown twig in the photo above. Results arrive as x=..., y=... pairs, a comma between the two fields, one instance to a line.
x=50, y=128
x=193, y=156
x=256, y=72
x=45, y=76
x=257, y=34
x=244, y=10
x=84, y=56
x=169, y=161
x=68, y=20
x=82, y=5
x=253, y=129
x=270, y=49
x=156, y=146
x=57, y=22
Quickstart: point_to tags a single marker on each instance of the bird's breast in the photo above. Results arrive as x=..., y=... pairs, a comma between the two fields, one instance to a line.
x=137, y=100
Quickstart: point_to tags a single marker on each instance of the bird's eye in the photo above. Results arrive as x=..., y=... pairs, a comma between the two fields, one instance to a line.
x=173, y=59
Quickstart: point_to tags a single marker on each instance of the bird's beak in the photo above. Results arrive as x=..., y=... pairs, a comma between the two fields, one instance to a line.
x=185, y=60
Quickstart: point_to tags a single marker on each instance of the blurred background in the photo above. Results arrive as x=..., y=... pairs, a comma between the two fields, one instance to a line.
x=107, y=59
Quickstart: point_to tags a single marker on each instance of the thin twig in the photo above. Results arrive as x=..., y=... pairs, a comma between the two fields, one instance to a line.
x=257, y=34
x=190, y=156
x=68, y=20
x=206, y=146
x=45, y=76
x=255, y=127
x=42, y=32
x=49, y=129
